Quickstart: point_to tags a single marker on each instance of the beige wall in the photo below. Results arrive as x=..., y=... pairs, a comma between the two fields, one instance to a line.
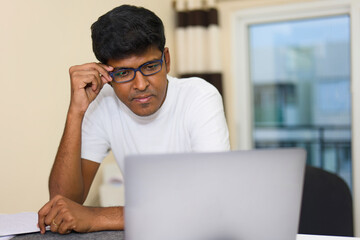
x=39, y=41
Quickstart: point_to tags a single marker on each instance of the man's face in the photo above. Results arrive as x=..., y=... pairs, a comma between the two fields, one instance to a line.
x=144, y=95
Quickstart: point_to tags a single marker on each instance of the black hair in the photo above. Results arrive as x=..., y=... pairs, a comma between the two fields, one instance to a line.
x=124, y=31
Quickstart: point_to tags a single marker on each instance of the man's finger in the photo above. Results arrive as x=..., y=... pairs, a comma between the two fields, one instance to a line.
x=104, y=80
x=65, y=228
x=41, y=216
x=85, y=79
x=99, y=67
x=104, y=71
x=96, y=83
x=54, y=226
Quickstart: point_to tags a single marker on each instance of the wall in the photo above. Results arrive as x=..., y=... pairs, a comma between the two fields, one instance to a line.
x=40, y=40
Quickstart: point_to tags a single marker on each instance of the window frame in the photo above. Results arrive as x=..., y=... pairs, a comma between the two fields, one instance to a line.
x=239, y=72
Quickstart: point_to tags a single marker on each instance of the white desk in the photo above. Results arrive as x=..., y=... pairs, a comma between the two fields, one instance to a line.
x=316, y=237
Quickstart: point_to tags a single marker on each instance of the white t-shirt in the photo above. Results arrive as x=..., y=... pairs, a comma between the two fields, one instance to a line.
x=191, y=119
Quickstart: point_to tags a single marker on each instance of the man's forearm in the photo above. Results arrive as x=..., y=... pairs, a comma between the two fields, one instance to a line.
x=66, y=178
x=109, y=218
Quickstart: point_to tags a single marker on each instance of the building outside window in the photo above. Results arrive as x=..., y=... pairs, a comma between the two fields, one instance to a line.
x=300, y=77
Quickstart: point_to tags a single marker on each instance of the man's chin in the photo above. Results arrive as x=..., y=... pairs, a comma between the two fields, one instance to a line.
x=144, y=110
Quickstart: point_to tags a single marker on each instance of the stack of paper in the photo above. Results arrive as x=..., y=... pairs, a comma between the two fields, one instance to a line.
x=13, y=224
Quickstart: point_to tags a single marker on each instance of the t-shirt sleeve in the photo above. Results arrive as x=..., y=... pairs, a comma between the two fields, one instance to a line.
x=95, y=144
x=207, y=124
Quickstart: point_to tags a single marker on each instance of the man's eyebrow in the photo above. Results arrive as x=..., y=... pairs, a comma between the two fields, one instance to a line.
x=155, y=59
x=119, y=68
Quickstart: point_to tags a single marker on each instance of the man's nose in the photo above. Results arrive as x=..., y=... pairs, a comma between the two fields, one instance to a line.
x=140, y=81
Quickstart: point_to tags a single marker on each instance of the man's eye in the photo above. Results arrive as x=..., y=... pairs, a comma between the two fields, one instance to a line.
x=152, y=66
x=122, y=73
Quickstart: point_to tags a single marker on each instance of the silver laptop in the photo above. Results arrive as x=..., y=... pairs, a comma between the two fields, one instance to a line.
x=240, y=195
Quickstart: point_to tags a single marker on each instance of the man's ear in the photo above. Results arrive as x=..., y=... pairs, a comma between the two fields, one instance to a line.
x=167, y=59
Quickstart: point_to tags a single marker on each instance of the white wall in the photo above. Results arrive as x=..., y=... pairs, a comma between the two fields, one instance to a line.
x=39, y=41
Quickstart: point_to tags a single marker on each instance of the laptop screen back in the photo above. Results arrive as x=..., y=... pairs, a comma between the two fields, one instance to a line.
x=240, y=195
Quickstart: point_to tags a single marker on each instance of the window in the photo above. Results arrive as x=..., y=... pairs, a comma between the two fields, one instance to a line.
x=300, y=76
x=236, y=18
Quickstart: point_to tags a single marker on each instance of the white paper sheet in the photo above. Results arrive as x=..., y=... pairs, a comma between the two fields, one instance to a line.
x=317, y=237
x=12, y=224
x=7, y=237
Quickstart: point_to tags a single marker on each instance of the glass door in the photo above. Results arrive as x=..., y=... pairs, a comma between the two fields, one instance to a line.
x=300, y=76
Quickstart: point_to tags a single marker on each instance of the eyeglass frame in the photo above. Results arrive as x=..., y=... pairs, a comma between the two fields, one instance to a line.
x=139, y=69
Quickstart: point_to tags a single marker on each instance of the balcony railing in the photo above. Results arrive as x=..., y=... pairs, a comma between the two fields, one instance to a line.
x=328, y=147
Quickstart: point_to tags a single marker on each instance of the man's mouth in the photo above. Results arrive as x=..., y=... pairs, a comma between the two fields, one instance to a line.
x=142, y=99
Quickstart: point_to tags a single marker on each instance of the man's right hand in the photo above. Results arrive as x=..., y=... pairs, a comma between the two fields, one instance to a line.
x=64, y=215
x=86, y=82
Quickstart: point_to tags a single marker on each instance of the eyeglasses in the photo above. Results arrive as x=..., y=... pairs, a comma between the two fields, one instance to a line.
x=123, y=75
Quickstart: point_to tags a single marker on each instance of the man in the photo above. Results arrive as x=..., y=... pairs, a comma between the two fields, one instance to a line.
x=126, y=103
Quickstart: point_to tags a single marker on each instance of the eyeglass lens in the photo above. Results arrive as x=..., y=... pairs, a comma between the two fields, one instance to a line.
x=123, y=75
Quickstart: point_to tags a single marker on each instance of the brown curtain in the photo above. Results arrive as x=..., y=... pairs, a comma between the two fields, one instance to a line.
x=198, y=41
